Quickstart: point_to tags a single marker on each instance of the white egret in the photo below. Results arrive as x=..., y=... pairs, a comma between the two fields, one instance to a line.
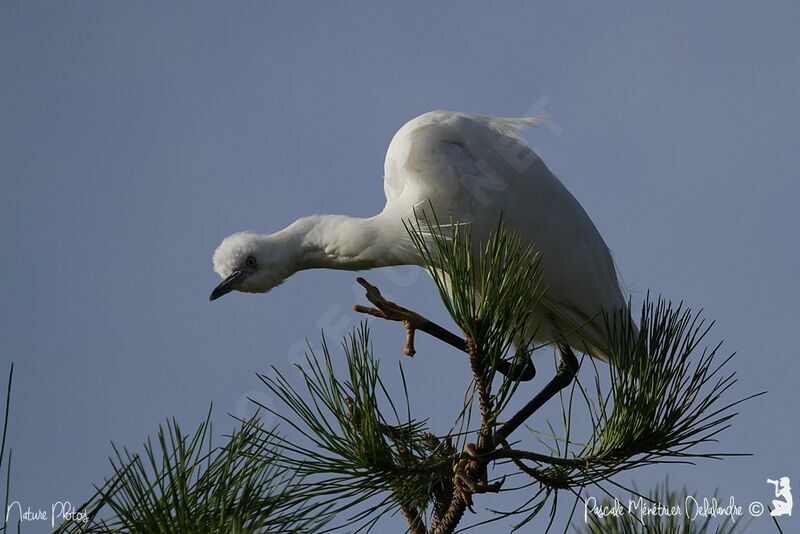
x=474, y=168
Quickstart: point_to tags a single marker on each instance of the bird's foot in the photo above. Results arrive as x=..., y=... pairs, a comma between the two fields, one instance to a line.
x=470, y=476
x=388, y=310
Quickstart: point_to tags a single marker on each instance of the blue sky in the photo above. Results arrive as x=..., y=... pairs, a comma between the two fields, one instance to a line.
x=135, y=136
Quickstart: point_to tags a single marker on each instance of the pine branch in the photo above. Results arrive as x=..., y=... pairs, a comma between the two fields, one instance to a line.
x=345, y=454
x=182, y=484
x=452, y=517
x=484, y=389
x=412, y=516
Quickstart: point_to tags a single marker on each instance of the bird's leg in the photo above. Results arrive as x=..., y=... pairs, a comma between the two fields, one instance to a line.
x=519, y=371
x=390, y=311
x=567, y=370
x=409, y=349
x=520, y=368
x=411, y=320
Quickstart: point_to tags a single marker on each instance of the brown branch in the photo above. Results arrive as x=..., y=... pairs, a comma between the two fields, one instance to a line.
x=415, y=523
x=579, y=462
x=471, y=471
x=452, y=517
x=514, y=454
x=442, y=497
x=538, y=475
x=478, y=364
x=444, y=490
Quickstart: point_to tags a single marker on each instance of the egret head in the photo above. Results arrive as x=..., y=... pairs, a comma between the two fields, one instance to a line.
x=247, y=263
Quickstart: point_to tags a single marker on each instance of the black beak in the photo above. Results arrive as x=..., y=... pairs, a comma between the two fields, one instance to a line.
x=227, y=285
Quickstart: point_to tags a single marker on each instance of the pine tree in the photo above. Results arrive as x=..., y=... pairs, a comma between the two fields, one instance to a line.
x=347, y=452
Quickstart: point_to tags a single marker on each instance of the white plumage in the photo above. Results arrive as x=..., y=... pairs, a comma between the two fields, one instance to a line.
x=474, y=168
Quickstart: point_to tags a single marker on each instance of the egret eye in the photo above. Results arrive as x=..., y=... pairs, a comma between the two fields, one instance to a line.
x=250, y=261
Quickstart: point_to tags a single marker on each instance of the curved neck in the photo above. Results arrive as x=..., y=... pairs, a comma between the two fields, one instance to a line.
x=348, y=243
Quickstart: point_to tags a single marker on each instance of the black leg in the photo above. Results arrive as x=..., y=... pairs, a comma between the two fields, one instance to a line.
x=521, y=369
x=567, y=370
